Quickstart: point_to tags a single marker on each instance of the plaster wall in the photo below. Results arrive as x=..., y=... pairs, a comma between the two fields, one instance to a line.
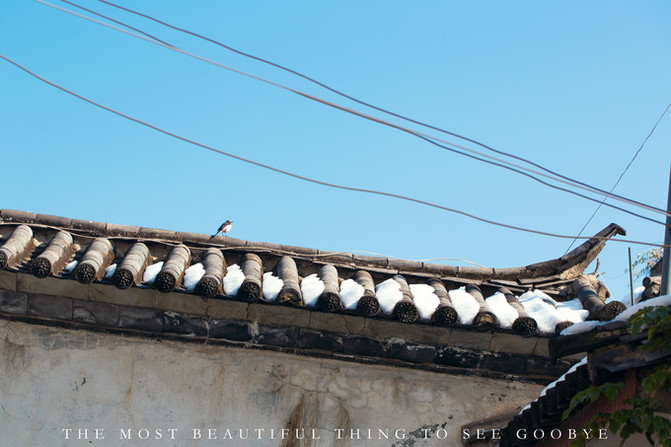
x=54, y=379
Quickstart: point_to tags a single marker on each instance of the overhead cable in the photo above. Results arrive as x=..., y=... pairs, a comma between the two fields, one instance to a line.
x=342, y=94
x=621, y=175
x=424, y=136
x=298, y=176
x=117, y=22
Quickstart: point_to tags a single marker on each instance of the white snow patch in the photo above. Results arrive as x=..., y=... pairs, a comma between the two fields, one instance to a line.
x=467, y=307
x=664, y=300
x=70, y=266
x=271, y=286
x=541, y=308
x=193, y=275
x=233, y=280
x=572, y=311
x=109, y=271
x=585, y=326
x=626, y=298
x=537, y=294
x=545, y=390
x=548, y=312
x=544, y=314
x=388, y=293
x=151, y=272
x=311, y=288
x=425, y=299
x=505, y=313
x=350, y=293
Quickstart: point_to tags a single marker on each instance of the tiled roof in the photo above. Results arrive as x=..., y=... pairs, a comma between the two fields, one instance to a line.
x=613, y=355
x=59, y=252
x=546, y=411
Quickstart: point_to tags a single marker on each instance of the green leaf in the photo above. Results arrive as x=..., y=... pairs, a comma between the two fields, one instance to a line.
x=627, y=431
x=640, y=415
x=611, y=389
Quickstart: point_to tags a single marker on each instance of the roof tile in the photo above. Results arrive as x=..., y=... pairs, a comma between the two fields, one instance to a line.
x=97, y=227
x=154, y=233
x=262, y=322
x=122, y=230
x=17, y=216
x=56, y=221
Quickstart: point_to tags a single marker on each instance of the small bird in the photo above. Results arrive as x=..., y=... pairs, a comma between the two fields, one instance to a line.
x=224, y=228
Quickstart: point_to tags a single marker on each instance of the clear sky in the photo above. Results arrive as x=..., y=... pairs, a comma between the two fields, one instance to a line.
x=575, y=86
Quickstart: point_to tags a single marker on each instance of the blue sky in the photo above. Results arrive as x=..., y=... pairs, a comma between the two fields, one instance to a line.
x=574, y=86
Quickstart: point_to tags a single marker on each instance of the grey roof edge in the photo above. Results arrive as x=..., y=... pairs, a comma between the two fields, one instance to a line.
x=184, y=317
x=598, y=337
x=571, y=264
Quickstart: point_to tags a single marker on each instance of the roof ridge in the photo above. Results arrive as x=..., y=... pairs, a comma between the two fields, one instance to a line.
x=566, y=266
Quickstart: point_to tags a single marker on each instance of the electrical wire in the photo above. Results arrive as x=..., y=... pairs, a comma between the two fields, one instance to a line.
x=621, y=175
x=301, y=177
x=345, y=95
x=424, y=136
x=117, y=22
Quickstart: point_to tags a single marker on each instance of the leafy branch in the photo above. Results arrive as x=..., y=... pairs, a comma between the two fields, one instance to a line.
x=645, y=261
x=641, y=414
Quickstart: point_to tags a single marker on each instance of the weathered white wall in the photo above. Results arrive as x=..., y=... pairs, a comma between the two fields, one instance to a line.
x=52, y=378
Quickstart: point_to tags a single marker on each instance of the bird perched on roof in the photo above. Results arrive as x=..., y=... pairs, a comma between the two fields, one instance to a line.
x=224, y=228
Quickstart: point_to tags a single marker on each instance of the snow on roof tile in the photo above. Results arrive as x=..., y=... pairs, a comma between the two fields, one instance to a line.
x=145, y=254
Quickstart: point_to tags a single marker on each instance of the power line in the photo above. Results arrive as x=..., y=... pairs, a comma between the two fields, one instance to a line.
x=298, y=176
x=428, y=138
x=621, y=175
x=117, y=22
x=347, y=96
x=421, y=136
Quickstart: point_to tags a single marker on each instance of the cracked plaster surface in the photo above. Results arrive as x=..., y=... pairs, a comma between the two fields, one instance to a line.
x=52, y=378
